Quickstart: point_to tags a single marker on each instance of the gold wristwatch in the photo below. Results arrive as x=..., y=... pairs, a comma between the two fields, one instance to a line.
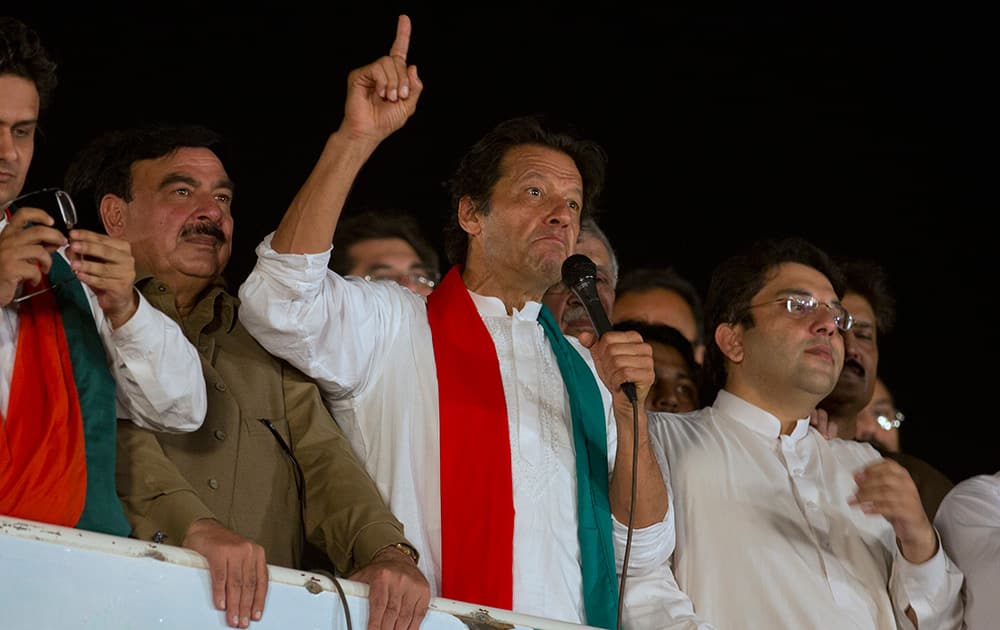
x=405, y=548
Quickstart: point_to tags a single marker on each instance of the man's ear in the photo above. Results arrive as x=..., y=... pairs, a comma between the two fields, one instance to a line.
x=729, y=337
x=469, y=216
x=112, y=210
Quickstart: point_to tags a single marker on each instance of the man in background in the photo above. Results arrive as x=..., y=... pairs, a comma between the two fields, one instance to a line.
x=386, y=245
x=661, y=295
x=871, y=304
x=563, y=303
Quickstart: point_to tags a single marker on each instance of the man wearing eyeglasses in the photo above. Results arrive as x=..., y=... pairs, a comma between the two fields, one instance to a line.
x=269, y=477
x=386, y=245
x=78, y=347
x=776, y=525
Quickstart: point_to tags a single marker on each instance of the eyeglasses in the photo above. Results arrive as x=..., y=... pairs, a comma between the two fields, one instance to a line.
x=800, y=306
x=888, y=423
x=55, y=201
x=59, y=205
x=422, y=278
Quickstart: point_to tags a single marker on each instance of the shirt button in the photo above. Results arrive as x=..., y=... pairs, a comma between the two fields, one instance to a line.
x=220, y=434
x=811, y=505
x=798, y=472
x=213, y=484
x=220, y=386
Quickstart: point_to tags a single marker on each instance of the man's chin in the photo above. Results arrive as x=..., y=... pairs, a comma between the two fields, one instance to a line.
x=207, y=271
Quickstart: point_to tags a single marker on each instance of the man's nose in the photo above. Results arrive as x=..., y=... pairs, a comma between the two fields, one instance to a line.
x=8, y=149
x=210, y=209
x=560, y=214
x=824, y=322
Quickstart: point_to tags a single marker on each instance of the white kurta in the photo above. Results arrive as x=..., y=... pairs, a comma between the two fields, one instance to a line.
x=766, y=538
x=369, y=347
x=159, y=384
x=969, y=521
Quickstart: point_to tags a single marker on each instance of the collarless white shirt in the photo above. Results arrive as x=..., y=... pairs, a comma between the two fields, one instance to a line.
x=362, y=340
x=765, y=535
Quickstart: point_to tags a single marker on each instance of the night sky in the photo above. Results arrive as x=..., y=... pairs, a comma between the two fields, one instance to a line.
x=864, y=130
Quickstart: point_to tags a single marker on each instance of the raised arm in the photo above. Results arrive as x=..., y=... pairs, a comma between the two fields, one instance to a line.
x=381, y=97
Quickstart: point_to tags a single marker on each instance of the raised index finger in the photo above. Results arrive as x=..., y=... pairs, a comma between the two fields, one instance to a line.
x=401, y=45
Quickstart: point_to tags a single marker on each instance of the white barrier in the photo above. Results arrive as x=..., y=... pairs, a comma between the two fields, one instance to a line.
x=56, y=577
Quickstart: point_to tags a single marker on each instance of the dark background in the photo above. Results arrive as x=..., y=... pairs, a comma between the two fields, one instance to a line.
x=865, y=130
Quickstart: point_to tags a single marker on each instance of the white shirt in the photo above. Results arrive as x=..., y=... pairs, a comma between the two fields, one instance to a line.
x=766, y=538
x=158, y=379
x=969, y=522
x=368, y=346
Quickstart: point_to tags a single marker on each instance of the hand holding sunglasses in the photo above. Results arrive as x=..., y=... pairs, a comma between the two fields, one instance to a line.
x=28, y=241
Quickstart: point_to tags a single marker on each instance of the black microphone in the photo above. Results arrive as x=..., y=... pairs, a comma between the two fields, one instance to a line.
x=579, y=274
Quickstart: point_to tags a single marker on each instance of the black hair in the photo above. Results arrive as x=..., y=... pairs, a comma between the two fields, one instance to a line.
x=736, y=280
x=22, y=54
x=372, y=224
x=104, y=165
x=648, y=278
x=480, y=169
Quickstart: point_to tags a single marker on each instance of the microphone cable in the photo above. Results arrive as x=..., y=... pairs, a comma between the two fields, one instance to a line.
x=300, y=481
x=631, y=507
x=579, y=275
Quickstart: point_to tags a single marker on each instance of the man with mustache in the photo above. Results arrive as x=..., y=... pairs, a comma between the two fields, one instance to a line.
x=776, y=525
x=269, y=477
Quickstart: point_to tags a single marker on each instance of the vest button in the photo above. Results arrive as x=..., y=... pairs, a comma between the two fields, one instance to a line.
x=220, y=434
x=213, y=484
x=220, y=386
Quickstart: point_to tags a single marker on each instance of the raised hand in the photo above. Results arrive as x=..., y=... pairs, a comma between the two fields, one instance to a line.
x=398, y=593
x=383, y=95
x=106, y=265
x=26, y=247
x=237, y=567
x=886, y=488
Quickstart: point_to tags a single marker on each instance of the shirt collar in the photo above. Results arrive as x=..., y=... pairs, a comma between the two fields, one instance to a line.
x=489, y=306
x=755, y=418
x=214, y=306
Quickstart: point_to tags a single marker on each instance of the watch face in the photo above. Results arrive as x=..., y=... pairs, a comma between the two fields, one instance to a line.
x=408, y=550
